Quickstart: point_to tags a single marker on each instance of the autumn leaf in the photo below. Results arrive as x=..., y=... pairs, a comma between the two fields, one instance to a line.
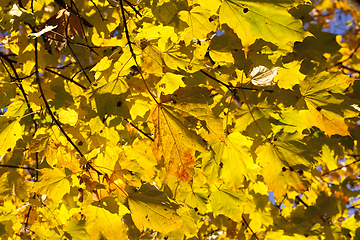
x=234, y=157
x=179, y=119
x=13, y=184
x=53, y=184
x=151, y=208
x=10, y=133
x=281, y=170
x=234, y=203
x=198, y=22
x=105, y=218
x=325, y=108
x=174, y=144
x=251, y=20
x=62, y=25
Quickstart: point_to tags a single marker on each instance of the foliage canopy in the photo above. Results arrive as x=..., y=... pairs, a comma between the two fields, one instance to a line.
x=174, y=119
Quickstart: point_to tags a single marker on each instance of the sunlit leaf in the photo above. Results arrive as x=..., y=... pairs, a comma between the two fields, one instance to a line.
x=53, y=184
x=198, y=22
x=266, y=20
x=10, y=132
x=174, y=143
x=105, y=218
x=325, y=106
x=281, y=170
x=233, y=207
x=234, y=157
x=150, y=208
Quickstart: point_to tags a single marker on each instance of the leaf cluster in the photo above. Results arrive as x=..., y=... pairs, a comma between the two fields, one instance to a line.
x=125, y=119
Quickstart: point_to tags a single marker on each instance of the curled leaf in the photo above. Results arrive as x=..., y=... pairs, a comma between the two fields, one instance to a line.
x=262, y=76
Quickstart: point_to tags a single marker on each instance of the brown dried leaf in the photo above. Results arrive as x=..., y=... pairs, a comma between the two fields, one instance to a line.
x=67, y=26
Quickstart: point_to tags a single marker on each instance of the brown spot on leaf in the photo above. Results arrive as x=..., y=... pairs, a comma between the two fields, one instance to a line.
x=291, y=169
x=301, y=172
x=318, y=108
x=284, y=169
x=245, y=10
x=118, y=104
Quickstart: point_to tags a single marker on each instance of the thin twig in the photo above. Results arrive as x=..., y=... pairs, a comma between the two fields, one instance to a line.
x=57, y=122
x=102, y=18
x=73, y=76
x=132, y=50
x=128, y=3
x=63, y=5
x=65, y=77
x=19, y=167
x=144, y=133
x=300, y=200
x=336, y=169
x=350, y=56
x=350, y=69
x=217, y=80
x=233, y=87
x=247, y=225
